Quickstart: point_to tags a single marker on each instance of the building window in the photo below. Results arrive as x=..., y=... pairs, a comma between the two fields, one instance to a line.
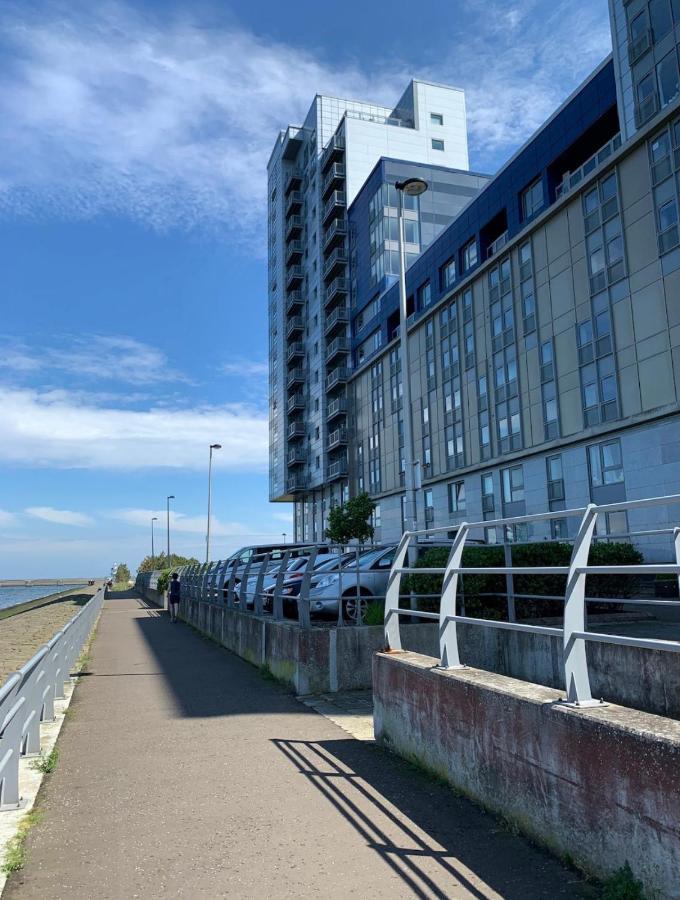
x=660, y=18
x=448, y=273
x=437, y=144
x=532, y=199
x=436, y=119
x=488, y=501
x=429, y=506
x=377, y=519
x=668, y=78
x=513, y=484
x=469, y=255
x=558, y=529
x=424, y=295
x=605, y=463
x=456, y=491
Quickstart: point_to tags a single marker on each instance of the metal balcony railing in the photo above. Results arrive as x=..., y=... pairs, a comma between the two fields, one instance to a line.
x=295, y=350
x=293, y=181
x=337, y=438
x=295, y=376
x=294, y=202
x=294, y=300
x=335, y=232
x=337, y=289
x=337, y=469
x=335, y=408
x=294, y=226
x=573, y=635
x=296, y=402
x=334, y=149
x=296, y=430
x=294, y=325
x=337, y=377
x=336, y=202
x=294, y=276
x=340, y=345
x=338, y=318
x=337, y=260
x=572, y=179
x=334, y=176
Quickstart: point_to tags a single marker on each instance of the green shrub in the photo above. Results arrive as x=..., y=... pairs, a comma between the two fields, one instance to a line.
x=485, y=595
x=163, y=579
x=374, y=614
x=623, y=885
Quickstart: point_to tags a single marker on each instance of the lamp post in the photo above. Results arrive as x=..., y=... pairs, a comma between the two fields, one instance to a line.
x=153, y=555
x=207, y=537
x=413, y=187
x=167, y=506
x=283, y=535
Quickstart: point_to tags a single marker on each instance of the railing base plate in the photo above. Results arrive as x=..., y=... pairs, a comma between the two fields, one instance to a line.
x=582, y=704
x=10, y=807
x=450, y=668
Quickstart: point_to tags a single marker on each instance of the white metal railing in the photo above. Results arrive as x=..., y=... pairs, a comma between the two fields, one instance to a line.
x=571, y=179
x=27, y=697
x=574, y=633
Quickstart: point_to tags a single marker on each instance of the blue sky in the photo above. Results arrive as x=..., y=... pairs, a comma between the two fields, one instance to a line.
x=132, y=205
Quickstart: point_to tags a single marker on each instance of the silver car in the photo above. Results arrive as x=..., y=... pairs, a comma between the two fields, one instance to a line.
x=354, y=586
x=297, y=564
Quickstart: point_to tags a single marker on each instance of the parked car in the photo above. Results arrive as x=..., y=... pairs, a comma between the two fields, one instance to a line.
x=290, y=589
x=354, y=585
x=255, y=555
x=296, y=565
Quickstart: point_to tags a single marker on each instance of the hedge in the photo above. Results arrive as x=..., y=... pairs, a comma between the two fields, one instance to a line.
x=546, y=553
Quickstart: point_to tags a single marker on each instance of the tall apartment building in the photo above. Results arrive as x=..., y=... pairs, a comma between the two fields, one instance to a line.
x=315, y=172
x=544, y=321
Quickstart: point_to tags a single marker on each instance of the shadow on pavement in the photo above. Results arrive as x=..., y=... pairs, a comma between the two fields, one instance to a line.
x=205, y=679
x=429, y=836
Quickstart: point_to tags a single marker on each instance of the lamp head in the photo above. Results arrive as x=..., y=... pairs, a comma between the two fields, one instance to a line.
x=216, y=446
x=412, y=186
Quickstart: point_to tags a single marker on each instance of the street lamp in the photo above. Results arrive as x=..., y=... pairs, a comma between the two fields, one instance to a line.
x=283, y=535
x=167, y=506
x=412, y=187
x=207, y=537
x=153, y=555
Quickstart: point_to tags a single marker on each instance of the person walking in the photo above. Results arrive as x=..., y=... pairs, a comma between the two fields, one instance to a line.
x=174, y=596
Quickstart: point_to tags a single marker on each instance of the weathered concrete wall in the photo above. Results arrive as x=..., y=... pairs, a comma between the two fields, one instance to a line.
x=158, y=598
x=321, y=659
x=600, y=785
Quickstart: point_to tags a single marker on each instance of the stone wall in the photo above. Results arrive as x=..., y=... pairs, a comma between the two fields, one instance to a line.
x=601, y=786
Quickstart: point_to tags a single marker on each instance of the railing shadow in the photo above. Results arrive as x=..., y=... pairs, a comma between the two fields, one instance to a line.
x=439, y=844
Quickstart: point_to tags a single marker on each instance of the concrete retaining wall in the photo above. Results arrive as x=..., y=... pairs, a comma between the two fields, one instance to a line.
x=600, y=785
x=153, y=596
x=318, y=660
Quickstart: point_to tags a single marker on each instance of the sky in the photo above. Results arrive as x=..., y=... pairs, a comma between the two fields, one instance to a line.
x=133, y=304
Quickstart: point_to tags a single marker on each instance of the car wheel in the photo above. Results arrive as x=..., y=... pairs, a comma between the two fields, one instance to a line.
x=351, y=604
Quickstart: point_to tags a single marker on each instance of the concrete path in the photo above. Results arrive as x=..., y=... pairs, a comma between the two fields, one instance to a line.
x=185, y=773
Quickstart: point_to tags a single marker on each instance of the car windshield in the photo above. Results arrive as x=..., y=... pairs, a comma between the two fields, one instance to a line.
x=328, y=565
x=366, y=559
x=298, y=563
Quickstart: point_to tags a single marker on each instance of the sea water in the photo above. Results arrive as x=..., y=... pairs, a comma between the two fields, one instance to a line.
x=10, y=596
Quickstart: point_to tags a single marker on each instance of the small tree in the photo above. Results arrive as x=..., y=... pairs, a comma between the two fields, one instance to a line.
x=122, y=573
x=161, y=561
x=351, y=521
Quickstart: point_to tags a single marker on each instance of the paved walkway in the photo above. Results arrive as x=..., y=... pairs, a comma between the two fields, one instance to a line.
x=185, y=773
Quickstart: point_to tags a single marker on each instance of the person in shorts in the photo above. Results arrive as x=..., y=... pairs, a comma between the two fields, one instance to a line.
x=174, y=596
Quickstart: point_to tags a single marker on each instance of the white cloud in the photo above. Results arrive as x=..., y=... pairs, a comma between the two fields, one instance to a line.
x=57, y=429
x=170, y=123
x=180, y=522
x=286, y=517
x=59, y=516
x=92, y=356
x=6, y=518
x=246, y=368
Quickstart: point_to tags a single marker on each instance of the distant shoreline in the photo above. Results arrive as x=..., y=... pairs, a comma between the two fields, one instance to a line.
x=24, y=606
x=44, y=582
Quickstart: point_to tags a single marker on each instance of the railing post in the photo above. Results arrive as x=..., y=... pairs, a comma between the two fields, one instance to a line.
x=676, y=543
x=243, y=586
x=509, y=581
x=304, y=615
x=213, y=581
x=576, y=679
x=278, y=600
x=392, y=594
x=232, y=583
x=257, y=599
x=449, y=657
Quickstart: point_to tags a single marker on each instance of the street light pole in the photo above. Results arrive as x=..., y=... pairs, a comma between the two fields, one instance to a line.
x=167, y=506
x=413, y=187
x=153, y=555
x=207, y=537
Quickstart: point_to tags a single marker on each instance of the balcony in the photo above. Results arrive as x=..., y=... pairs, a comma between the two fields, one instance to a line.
x=336, y=262
x=294, y=325
x=337, y=319
x=337, y=378
x=296, y=403
x=336, y=290
x=333, y=151
x=336, y=408
x=337, y=438
x=335, y=234
x=294, y=251
x=571, y=179
x=294, y=202
x=337, y=347
x=294, y=302
x=297, y=456
x=296, y=430
x=337, y=469
x=296, y=483
x=293, y=182
x=294, y=276
x=296, y=377
x=497, y=245
x=294, y=227
x=296, y=350
x=333, y=179
x=334, y=206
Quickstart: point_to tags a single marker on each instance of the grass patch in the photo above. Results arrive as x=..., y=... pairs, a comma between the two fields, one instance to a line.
x=46, y=762
x=121, y=586
x=623, y=885
x=15, y=851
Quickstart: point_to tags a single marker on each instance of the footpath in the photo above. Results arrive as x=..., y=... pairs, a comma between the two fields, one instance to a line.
x=184, y=772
